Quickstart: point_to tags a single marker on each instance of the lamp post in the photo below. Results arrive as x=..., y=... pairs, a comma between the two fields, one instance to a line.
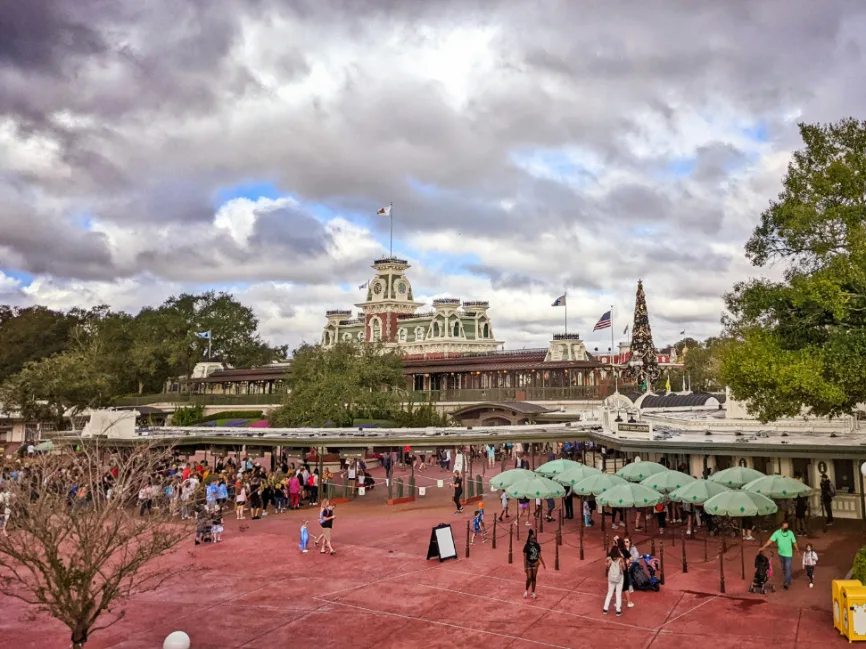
x=635, y=364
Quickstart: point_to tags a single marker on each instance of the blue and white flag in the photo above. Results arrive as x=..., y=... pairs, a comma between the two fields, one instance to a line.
x=204, y=334
x=560, y=301
x=364, y=285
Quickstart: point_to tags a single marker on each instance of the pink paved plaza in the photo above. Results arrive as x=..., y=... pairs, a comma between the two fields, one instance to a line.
x=257, y=591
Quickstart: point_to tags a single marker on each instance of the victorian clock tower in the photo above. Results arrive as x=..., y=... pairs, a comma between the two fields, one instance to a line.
x=389, y=295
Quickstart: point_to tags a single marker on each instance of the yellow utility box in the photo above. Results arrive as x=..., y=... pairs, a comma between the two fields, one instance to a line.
x=838, y=586
x=853, y=606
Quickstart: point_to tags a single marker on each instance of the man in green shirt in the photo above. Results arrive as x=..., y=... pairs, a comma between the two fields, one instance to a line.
x=786, y=543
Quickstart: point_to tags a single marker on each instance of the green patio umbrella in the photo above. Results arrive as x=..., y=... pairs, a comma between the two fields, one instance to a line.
x=736, y=476
x=575, y=474
x=630, y=495
x=44, y=447
x=740, y=504
x=535, y=487
x=555, y=467
x=777, y=487
x=638, y=471
x=697, y=492
x=737, y=504
x=595, y=485
x=667, y=481
x=509, y=477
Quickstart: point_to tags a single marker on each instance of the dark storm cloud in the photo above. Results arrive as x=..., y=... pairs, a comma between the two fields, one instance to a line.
x=138, y=114
x=290, y=230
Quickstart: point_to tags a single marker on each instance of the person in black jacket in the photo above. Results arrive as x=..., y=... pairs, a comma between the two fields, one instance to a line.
x=828, y=492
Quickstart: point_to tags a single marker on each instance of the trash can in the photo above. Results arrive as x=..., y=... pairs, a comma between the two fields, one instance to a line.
x=838, y=586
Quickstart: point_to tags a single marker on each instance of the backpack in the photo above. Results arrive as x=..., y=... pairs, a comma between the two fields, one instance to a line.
x=614, y=573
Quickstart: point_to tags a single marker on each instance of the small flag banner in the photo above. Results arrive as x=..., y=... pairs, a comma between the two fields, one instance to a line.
x=560, y=301
x=386, y=211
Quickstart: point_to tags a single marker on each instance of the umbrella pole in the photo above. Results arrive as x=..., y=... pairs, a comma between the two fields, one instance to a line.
x=742, y=553
x=722, y=568
x=625, y=521
x=559, y=532
x=582, y=527
x=603, y=528
x=510, y=542
x=685, y=560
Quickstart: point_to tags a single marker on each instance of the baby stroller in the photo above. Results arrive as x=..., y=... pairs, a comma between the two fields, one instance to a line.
x=763, y=571
x=644, y=578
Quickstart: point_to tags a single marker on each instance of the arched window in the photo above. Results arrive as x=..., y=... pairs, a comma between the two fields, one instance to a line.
x=376, y=330
x=361, y=336
x=347, y=337
x=326, y=338
x=419, y=333
x=485, y=331
x=457, y=329
x=435, y=328
x=402, y=335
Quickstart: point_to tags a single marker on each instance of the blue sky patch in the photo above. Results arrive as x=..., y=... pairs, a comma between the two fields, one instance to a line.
x=252, y=190
x=758, y=132
x=24, y=278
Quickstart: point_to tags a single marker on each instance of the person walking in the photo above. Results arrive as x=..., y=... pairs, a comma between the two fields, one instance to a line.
x=615, y=580
x=457, y=485
x=801, y=508
x=810, y=558
x=786, y=543
x=531, y=558
x=326, y=518
x=828, y=493
x=569, y=503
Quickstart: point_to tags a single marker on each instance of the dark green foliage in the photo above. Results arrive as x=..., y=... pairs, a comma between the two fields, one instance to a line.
x=802, y=341
x=30, y=334
x=186, y=416
x=335, y=386
x=858, y=571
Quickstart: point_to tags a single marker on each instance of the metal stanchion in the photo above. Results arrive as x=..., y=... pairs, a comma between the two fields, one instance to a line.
x=510, y=541
x=559, y=532
x=494, y=532
x=467, y=539
x=706, y=543
x=685, y=560
x=662, y=563
x=556, y=544
x=582, y=528
x=722, y=570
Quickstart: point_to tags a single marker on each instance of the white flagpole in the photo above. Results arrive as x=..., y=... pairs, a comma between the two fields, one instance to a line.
x=611, y=340
x=566, y=312
x=391, y=241
x=209, y=340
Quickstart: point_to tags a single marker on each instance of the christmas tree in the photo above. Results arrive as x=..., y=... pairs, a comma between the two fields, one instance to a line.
x=642, y=347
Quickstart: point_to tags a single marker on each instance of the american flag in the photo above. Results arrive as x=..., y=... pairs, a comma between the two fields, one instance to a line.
x=603, y=322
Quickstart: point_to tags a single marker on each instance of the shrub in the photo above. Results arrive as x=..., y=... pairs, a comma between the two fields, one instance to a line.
x=186, y=416
x=859, y=569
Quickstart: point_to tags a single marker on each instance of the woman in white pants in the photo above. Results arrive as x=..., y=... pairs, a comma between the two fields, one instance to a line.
x=615, y=579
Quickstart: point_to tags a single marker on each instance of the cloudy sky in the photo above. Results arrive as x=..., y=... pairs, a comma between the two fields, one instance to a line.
x=528, y=147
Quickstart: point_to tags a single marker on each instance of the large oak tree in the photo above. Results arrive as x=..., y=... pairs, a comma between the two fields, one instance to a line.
x=802, y=341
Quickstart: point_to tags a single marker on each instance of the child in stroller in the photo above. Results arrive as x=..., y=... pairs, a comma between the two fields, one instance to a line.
x=643, y=577
x=763, y=571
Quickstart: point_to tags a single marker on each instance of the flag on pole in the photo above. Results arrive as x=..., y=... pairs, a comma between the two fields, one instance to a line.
x=603, y=322
x=385, y=211
x=560, y=301
x=668, y=384
x=625, y=331
x=683, y=332
x=364, y=285
x=204, y=334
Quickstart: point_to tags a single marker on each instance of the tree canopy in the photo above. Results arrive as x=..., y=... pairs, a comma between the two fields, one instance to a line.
x=53, y=363
x=337, y=385
x=801, y=341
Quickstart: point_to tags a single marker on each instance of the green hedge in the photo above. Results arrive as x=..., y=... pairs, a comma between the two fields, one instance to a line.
x=859, y=569
x=233, y=414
